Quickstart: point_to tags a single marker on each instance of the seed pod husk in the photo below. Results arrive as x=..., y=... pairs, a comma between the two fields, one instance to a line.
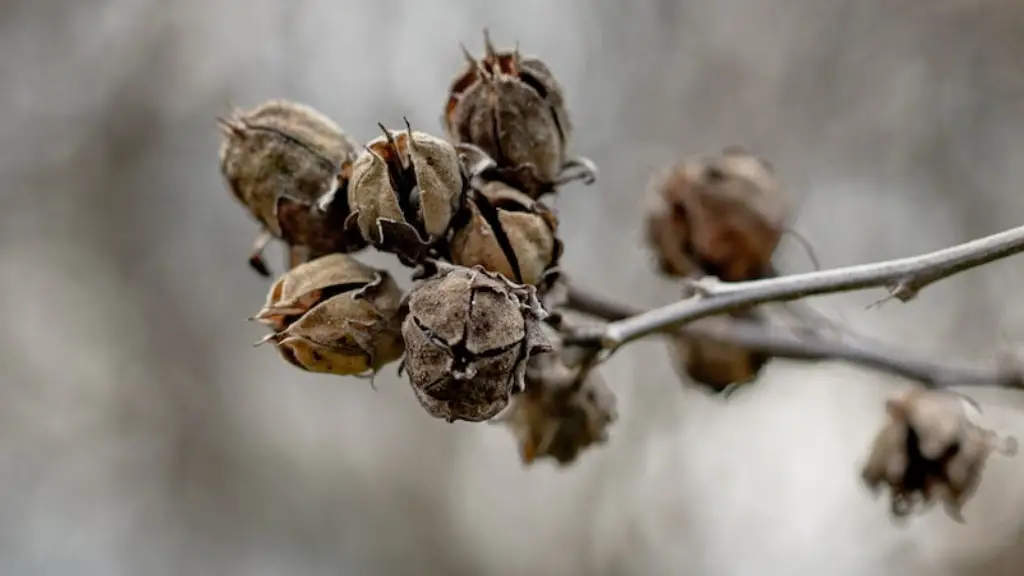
x=406, y=188
x=713, y=365
x=335, y=315
x=468, y=336
x=564, y=410
x=278, y=159
x=721, y=216
x=929, y=451
x=509, y=233
x=512, y=107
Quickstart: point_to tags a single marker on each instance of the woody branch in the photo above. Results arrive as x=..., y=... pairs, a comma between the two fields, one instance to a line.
x=904, y=278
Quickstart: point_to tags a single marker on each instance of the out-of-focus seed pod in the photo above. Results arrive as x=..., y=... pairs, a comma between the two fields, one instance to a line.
x=512, y=107
x=564, y=410
x=335, y=315
x=507, y=232
x=468, y=336
x=929, y=451
x=406, y=188
x=721, y=216
x=278, y=159
x=716, y=366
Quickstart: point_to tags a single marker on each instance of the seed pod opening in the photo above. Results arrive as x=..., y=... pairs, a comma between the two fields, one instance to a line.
x=286, y=152
x=929, y=451
x=406, y=187
x=507, y=232
x=512, y=107
x=721, y=216
x=716, y=366
x=335, y=315
x=468, y=336
x=562, y=412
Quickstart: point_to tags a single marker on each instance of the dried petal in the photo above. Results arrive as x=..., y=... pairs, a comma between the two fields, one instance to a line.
x=716, y=365
x=335, y=315
x=509, y=233
x=468, y=336
x=405, y=189
x=721, y=216
x=930, y=452
x=512, y=107
x=287, y=150
x=562, y=411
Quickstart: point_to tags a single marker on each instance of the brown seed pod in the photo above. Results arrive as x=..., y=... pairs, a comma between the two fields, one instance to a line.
x=721, y=216
x=512, y=107
x=468, y=336
x=507, y=232
x=563, y=410
x=717, y=366
x=406, y=188
x=335, y=315
x=278, y=159
x=930, y=452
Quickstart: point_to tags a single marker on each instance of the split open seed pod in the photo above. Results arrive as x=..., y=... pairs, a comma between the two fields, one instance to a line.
x=335, y=315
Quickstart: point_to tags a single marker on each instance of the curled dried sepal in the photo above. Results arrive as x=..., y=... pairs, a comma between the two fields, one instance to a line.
x=468, y=336
x=287, y=153
x=335, y=315
x=929, y=451
x=406, y=187
x=716, y=366
x=512, y=107
x=721, y=216
x=563, y=411
x=507, y=232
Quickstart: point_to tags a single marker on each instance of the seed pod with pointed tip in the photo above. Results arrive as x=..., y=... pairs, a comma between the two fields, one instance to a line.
x=468, y=336
x=335, y=315
x=563, y=411
x=717, y=366
x=512, y=107
x=278, y=159
x=930, y=452
x=507, y=232
x=406, y=188
x=721, y=216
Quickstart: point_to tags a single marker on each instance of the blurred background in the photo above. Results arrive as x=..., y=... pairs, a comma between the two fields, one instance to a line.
x=142, y=434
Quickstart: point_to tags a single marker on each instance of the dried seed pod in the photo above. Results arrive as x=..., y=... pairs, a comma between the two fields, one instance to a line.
x=335, y=315
x=563, y=410
x=278, y=159
x=468, y=336
x=406, y=187
x=721, y=216
x=717, y=366
x=507, y=232
x=930, y=452
x=512, y=107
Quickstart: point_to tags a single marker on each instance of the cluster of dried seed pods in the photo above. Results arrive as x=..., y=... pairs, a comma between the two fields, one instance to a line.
x=465, y=210
x=722, y=216
x=930, y=452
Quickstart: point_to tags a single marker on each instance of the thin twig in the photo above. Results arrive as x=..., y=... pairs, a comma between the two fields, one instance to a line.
x=782, y=342
x=904, y=277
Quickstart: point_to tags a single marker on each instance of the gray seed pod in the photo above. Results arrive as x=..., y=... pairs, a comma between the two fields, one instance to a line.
x=468, y=336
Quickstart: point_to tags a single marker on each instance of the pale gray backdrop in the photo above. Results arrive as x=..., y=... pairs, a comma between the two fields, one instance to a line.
x=141, y=434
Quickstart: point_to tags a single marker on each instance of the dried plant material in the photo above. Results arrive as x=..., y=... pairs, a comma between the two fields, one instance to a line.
x=406, y=187
x=468, y=336
x=335, y=315
x=509, y=233
x=564, y=410
x=512, y=107
x=278, y=159
x=722, y=216
x=716, y=366
x=930, y=452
